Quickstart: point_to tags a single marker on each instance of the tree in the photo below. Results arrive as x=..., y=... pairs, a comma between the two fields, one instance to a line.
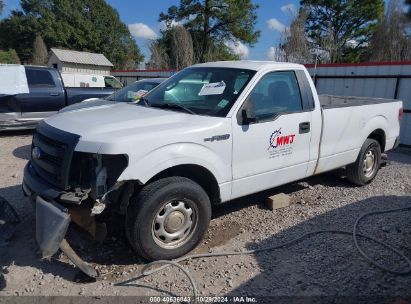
x=220, y=51
x=83, y=25
x=40, y=53
x=213, y=22
x=342, y=28
x=408, y=3
x=173, y=50
x=181, y=48
x=1, y=6
x=159, y=57
x=18, y=32
x=294, y=46
x=9, y=57
x=391, y=42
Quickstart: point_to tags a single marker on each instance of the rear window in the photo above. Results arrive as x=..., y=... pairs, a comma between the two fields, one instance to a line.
x=39, y=78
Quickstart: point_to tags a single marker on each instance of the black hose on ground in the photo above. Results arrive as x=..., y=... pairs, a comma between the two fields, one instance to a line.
x=147, y=269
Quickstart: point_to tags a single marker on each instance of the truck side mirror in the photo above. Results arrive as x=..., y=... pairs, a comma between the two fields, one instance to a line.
x=246, y=118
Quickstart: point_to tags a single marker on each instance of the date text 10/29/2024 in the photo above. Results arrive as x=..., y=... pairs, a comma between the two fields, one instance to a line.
x=169, y=299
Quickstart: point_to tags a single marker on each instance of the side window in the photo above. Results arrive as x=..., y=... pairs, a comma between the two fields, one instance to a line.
x=149, y=86
x=240, y=81
x=306, y=91
x=39, y=78
x=111, y=82
x=275, y=93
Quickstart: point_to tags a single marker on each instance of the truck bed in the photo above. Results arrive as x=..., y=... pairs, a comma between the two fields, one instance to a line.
x=333, y=101
x=348, y=121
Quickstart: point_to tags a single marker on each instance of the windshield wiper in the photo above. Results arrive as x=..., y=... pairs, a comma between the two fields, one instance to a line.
x=173, y=106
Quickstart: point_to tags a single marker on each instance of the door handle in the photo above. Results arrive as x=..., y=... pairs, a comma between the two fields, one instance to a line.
x=54, y=94
x=304, y=127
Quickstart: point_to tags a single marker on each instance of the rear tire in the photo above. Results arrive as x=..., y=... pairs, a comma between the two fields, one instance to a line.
x=167, y=218
x=368, y=162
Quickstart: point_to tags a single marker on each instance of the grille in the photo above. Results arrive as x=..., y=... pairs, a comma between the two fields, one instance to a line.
x=56, y=150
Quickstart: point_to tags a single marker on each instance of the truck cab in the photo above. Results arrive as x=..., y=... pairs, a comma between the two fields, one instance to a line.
x=211, y=133
x=46, y=94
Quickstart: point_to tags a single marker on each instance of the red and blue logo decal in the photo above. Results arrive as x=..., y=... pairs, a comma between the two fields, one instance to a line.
x=279, y=140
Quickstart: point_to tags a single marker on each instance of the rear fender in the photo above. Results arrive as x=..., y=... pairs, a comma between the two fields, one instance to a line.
x=378, y=122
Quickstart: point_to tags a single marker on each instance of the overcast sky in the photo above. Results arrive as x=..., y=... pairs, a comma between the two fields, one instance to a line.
x=142, y=19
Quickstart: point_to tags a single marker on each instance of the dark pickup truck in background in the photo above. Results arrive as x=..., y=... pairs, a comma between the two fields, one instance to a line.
x=47, y=95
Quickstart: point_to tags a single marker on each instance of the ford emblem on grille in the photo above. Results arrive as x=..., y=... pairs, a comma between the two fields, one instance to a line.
x=36, y=153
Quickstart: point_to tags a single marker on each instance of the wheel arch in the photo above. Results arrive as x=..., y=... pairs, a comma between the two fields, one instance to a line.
x=199, y=174
x=380, y=136
x=377, y=129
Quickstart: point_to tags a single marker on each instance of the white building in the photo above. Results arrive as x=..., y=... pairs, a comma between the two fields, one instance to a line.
x=67, y=61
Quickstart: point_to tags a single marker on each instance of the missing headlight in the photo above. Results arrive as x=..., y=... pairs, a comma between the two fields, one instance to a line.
x=97, y=172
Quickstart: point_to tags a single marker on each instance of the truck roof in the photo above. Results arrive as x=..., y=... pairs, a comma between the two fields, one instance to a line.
x=250, y=64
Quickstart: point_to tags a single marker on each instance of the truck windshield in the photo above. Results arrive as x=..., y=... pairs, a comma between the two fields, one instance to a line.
x=132, y=92
x=204, y=91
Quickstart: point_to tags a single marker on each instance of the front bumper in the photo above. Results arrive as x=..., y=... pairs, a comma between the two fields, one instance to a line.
x=34, y=185
x=52, y=219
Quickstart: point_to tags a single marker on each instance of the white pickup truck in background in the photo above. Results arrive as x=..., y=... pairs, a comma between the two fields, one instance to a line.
x=211, y=133
x=77, y=80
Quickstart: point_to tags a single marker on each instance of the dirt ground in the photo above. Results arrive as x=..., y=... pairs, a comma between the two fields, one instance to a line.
x=322, y=265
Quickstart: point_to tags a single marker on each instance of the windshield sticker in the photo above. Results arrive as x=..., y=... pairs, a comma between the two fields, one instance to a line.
x=280, y=145
x=136, y=95
x=223, y=103
x=214, y=88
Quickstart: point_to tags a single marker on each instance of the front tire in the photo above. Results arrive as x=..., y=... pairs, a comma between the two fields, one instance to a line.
x=168, y=218
x=368, y=162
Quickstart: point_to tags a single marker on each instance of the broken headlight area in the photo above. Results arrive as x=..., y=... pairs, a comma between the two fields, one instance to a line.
x=93, y=183
x=92, y=176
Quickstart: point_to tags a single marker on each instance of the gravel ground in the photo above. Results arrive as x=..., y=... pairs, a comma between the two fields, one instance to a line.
x=322, y=265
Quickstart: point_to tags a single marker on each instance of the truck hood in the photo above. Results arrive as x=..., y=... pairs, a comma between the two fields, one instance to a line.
x=111, y=124
x=88, y=103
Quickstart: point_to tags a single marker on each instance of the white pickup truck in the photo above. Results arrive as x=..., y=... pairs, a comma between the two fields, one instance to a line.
x=211, y=133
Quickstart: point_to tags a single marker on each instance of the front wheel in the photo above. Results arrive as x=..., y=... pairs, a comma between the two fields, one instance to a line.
x=168, y=218
x=368, y=162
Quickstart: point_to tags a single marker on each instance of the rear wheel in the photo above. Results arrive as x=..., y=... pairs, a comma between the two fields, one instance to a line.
x=368, y=162
x=168, y=218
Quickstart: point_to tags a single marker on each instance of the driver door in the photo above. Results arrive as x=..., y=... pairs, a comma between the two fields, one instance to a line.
x=271, y=148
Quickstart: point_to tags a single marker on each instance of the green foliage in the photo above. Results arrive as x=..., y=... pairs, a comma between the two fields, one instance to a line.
x=18, y=32
x=392, y=40
x=164, y=51
x=9, y=57
x=213, y=22
x=219, y=51
x=333, y=24
x=40, y=54
x=83, y=25
x=1, y=6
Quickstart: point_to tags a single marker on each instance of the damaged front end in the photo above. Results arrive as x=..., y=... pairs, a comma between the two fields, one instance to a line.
x=69, y=186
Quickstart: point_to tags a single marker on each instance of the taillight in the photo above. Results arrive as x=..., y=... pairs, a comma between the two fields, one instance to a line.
x=400, y=114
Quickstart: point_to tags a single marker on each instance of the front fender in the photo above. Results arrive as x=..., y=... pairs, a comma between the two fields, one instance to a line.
x=165, y=157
